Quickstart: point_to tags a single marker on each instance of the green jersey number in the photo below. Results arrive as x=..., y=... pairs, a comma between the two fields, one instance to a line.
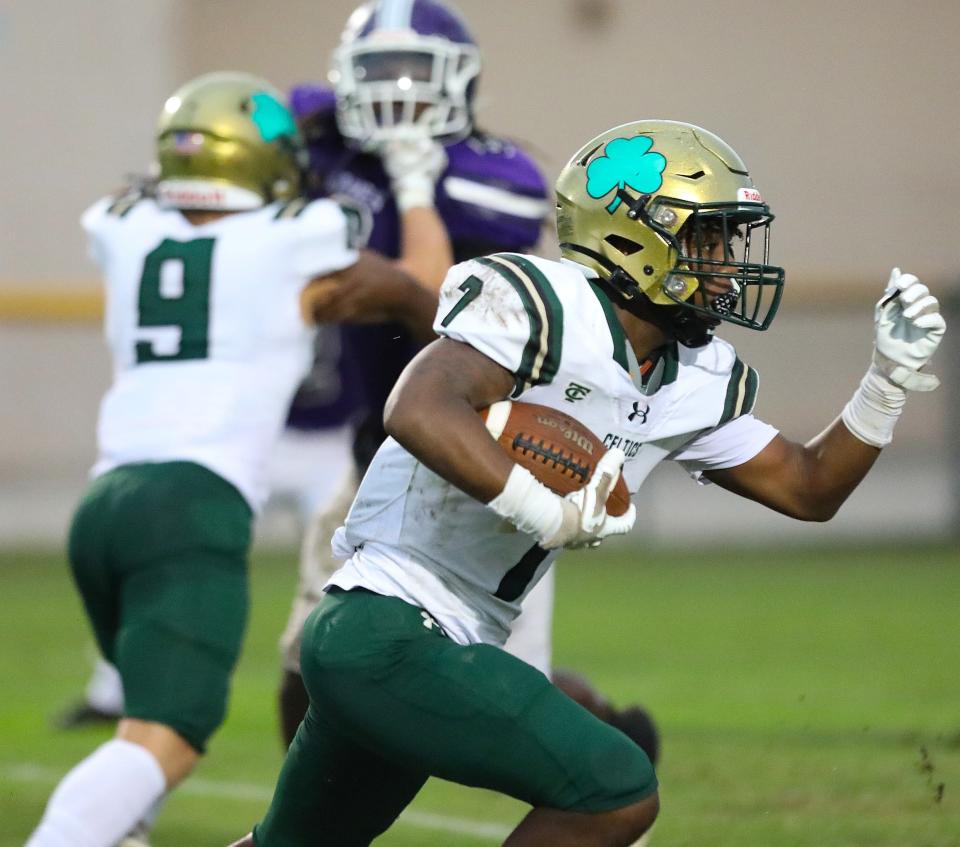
x=471, y=288
x=175, y=293
x=516, y=580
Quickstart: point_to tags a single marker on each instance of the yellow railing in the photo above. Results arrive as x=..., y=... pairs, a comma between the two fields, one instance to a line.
x=82, y=301
x=43, y=303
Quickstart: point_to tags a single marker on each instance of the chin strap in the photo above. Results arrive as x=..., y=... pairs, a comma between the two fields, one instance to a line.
x=689, y=329
x=624, y=284
x=625, y=291
x=682, y=323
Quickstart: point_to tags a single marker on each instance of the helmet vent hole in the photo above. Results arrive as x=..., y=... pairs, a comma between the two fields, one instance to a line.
x=624, y=245
x=589, y=156
x=697, y=175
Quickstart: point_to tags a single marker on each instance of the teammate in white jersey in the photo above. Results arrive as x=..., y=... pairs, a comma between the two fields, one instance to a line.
x=214, y=279
x=664, y=236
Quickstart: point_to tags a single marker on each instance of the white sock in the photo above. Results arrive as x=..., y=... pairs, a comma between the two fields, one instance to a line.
x=102, y=798
x=105, y=689
x=150, y=816
x=141, y=830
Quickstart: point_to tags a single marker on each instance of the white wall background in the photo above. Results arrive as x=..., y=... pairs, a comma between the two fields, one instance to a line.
x=846, y=112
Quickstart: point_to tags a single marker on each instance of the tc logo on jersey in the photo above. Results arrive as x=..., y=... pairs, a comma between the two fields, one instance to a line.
x=575, y=391
x=638, y=412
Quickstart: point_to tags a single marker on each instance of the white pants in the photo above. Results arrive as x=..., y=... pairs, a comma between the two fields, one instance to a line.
x=307, y=468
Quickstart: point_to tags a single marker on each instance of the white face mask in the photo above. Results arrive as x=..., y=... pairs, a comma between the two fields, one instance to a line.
x=399, y=79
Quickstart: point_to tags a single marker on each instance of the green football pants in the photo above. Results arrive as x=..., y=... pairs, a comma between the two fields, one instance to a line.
x=159, y=554
x=393, y=701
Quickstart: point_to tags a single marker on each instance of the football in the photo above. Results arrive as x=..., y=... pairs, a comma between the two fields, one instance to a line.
x=557, y=449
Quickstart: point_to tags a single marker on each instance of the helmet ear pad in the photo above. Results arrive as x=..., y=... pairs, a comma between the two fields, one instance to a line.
x=677, y=322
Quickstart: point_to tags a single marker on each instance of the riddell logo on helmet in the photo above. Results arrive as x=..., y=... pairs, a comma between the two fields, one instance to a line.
x=196, y=194
x=749, y=195
x=182, y=195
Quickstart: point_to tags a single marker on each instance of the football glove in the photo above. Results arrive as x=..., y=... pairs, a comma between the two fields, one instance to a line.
x=413, y=160
x=909, y=328
x=585, y=521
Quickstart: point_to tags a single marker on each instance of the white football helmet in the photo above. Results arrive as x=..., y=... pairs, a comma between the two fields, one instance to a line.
x=402, y=63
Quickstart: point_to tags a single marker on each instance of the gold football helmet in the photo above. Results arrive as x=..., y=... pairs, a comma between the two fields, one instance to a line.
x=666, y=214
x=227, y=142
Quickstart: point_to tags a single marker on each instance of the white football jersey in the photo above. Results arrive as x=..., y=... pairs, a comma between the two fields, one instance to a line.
x=205, y=331
x=413, y=535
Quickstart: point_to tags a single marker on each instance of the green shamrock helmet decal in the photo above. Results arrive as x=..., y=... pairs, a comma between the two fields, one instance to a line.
x=626, y=161
x=272, y=118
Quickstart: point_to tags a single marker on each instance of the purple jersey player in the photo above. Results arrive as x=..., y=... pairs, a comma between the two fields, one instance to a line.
x=492, y=198
x=406, y=67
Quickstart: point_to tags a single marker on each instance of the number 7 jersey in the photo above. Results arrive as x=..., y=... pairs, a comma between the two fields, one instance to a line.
x=413, y=535
x=204, y=329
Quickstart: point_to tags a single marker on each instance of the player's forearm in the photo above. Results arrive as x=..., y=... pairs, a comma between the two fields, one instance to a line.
x=432, y=413
x=809, y=481
x=834, y=463
x=449, y=438
x=426, y=250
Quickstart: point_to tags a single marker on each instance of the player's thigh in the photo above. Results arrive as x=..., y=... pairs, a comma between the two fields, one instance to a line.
x=87, y=550
x=184, y=596
x=333, y=790
x=474, y=715
x=179, y=642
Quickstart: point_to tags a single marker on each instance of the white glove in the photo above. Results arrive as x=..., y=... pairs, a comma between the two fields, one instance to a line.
x=585, y=521
x=909, y=328
x=413, y=160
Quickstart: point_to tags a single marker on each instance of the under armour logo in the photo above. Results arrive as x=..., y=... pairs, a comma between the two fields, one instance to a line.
x=638, y=412
x=430, y=623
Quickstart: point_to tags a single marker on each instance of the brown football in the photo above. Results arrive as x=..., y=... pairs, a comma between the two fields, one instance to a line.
x=558, y=450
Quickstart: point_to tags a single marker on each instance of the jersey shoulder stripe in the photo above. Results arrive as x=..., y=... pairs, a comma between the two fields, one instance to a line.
x=541, y=354
x=122, y=205
x=543, y=286
x=613, y=322
x=291, y=209
x=741, y=392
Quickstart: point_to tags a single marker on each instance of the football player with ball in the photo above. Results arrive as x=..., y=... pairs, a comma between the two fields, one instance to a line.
x=664, y=237
x=409, y=69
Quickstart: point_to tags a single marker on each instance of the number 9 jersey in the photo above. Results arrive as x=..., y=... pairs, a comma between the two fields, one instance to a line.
x=204, y=327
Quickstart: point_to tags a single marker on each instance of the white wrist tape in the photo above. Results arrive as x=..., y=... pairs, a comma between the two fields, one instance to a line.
x=874, y=409
x=413, y=191
x=529, y=505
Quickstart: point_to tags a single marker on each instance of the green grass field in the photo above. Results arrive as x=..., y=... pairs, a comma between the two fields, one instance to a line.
x=807, y=698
